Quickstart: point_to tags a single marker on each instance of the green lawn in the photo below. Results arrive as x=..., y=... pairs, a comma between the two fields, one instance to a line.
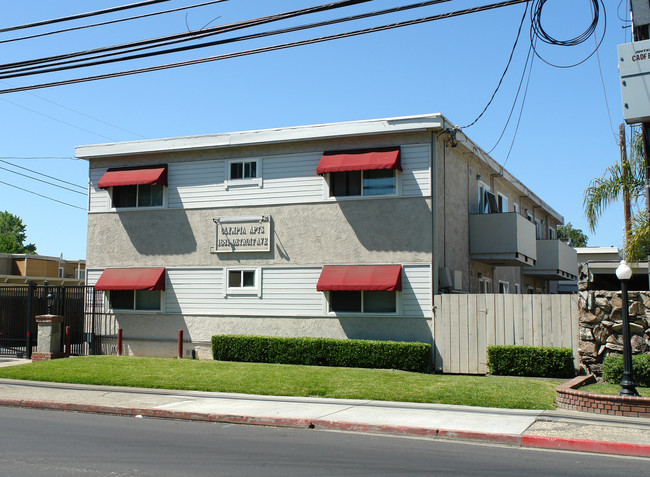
x=606, y=388
x=290, y=380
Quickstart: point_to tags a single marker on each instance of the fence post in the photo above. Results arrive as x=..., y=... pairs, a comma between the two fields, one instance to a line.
x=67, y=341
x=119, y=341
x=28, y=322
x=180, y=344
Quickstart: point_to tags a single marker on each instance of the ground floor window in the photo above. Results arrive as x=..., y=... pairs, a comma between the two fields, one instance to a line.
x=503, y=286
x=145, y=300
x=484, y=285
x=363, y=301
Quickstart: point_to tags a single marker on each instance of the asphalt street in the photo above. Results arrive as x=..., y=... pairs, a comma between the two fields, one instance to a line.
x=38, y=442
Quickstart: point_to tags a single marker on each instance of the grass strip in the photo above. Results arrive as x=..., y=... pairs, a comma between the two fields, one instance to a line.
x=291, y=380
x=606, y=388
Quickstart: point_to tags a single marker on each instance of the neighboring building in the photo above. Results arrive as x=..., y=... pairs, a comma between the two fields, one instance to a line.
x=19, y=269
x=597, y=270
x=335, y=230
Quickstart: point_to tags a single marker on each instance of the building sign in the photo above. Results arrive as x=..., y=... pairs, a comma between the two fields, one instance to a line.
x=243, y=234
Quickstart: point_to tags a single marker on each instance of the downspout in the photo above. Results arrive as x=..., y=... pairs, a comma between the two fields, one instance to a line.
x=434, y=218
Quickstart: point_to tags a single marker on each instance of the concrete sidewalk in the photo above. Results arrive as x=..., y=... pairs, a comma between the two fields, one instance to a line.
x=560, y=429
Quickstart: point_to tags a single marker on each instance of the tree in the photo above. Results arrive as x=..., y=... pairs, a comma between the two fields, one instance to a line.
x=622, y=181
x=13, y=234
x=578, y=239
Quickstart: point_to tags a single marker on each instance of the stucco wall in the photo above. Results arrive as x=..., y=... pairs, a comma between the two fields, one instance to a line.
x=354, y=231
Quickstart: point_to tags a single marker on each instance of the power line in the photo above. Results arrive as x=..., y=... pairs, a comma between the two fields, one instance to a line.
x=81, y=15
x=180, y=37
x=512, y=52
x=44, y=175
x=41, y=180
x=110, y=22
x=268, y=48
x=41, y=195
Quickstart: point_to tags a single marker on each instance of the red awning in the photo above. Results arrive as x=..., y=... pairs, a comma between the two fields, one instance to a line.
x=134, y=176
x=364, y=159
x=360, y=277
x=132, y=279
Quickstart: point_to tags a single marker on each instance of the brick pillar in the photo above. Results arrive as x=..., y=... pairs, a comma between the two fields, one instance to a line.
x=49, y=338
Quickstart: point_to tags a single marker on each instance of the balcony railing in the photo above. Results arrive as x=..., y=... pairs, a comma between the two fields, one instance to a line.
x=555, y=261
x=506, y=239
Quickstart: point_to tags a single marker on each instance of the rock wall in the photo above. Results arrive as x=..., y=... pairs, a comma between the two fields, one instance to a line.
x=601, y=324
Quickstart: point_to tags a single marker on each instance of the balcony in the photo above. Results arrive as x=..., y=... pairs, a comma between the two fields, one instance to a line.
x=555, y=261
x=506, y=239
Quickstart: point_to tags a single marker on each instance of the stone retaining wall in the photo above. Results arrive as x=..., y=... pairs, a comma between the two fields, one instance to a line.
x=601, y=323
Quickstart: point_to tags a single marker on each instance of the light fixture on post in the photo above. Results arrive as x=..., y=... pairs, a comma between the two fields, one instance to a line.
x=628, y=386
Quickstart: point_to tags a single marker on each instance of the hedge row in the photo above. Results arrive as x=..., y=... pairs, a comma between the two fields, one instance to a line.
x=538, y=361
x=323, y=352
x=613, y=369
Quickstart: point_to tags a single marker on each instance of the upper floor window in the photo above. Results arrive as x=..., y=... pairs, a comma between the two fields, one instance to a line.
x=364, y=172
x=371, y=182
x=244, y=173
x=135, y=186
x=551, y=233
x=515, y=208
x=487, y=201
x=484, y=285
x=502, y=203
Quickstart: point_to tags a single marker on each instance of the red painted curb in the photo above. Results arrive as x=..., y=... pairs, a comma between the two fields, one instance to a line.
x=545, y=442
x=582, y=445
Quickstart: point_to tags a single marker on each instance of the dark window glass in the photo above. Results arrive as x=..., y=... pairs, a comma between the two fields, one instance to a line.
x=349, y=301
x=249, y=278
x=236, y=170
x=147, y=300
x=125, y=196
x=122, y=299
x=379, y=302
x=250, y=170
x=234, y=279
x=243, y=170
x=150, y=195
x=345, y=183
x=379, y=182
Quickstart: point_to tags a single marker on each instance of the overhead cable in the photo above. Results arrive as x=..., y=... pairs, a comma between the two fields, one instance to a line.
x=77, y=16
x=268, y=48
x=44, y=196
x=110, y=22
x=43, y=175
x=41, y=180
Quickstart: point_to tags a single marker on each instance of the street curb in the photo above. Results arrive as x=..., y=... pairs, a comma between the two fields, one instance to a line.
x=543, y=442
x=582, y=445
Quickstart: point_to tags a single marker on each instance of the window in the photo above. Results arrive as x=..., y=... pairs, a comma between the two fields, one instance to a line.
x=142, y=195
x=503, y=286
x=145, y=300
x=502, y=203
x=366, y=182
x=61, y=272
x=538, y=230
x=242, y=281
x=244, y=173
x=80, y=273
x=551, y=233
x=484, y=285
x=517, y=288
x=487, y=201
x=363, y=301
x=515, y=208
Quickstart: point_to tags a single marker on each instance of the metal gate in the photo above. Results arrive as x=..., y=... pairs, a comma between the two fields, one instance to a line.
x=81, y=307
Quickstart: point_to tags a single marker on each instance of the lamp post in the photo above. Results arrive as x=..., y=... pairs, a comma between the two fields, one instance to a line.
x=624, y=273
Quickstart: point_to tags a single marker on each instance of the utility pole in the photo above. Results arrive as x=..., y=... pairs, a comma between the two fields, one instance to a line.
x=640, y=14
x=627, y=212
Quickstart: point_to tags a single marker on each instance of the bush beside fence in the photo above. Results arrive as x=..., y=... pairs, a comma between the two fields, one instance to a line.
x=404, y=356
x=534, y=361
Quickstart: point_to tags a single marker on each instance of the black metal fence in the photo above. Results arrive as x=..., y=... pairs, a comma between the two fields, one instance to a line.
x=82, y=309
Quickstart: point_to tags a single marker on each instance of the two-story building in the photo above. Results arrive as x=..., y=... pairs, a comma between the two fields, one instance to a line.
x=332, y=230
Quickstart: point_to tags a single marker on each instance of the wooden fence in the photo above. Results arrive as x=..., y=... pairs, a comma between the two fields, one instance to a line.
x=465, y=325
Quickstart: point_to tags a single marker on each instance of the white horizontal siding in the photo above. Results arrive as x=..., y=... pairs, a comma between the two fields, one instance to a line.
x=195, y=184
x=416, y=290
x=100, y=200
x=416, y=161
x=285, y=292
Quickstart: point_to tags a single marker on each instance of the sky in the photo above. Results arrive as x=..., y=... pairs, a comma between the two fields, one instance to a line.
x=564, y=135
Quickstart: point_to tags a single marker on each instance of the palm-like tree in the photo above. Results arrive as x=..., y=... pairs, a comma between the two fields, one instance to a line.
x=622, y=181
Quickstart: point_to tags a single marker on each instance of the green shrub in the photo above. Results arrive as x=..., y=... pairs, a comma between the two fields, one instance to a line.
x=323, y=352
x=613, y=369
x=539, y=361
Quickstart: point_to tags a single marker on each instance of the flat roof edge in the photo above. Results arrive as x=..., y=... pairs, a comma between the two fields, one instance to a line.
x=263, y=136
